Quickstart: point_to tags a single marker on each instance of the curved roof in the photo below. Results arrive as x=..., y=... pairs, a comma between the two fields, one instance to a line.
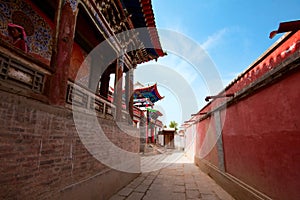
x=142, y=16
x=149, y=92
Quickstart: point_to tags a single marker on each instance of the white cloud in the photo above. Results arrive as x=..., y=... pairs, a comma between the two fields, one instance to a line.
x=175, y=72
x=181, y=67
x=212, y=40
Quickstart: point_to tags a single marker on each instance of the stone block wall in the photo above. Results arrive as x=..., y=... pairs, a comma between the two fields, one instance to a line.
x=42, y=156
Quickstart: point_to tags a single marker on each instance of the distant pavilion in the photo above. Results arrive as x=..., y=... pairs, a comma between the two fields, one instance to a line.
x=144, y=97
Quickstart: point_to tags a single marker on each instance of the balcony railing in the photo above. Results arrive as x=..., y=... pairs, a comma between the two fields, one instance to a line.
x=19, y=70
x=85, y=100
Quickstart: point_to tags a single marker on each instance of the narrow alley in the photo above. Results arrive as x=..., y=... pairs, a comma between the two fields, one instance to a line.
x=179, y=180
x=142, y=99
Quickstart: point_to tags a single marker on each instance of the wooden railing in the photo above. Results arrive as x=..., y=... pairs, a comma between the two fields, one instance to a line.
x=85, y=100
x=24, y=73
x=21, y=71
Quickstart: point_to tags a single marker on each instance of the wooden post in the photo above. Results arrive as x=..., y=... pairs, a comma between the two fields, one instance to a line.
x=147, y=124
x=129, y=94
x=118, y=87
x=61, y=59
x=53, y=61
x=104, y=83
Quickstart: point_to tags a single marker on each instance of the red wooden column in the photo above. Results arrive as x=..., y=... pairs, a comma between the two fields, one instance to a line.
x=118, y=87
x=104, y=83
x=129, y=94
x=61, y=57
x=152, y=132
x=147, y=125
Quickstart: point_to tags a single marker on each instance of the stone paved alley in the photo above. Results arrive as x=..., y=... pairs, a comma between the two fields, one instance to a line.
x=180, y=180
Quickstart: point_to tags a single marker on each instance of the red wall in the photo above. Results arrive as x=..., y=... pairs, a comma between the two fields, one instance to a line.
x=261, y=138
x=79, y=67
x=209, y=152
x=261, y=132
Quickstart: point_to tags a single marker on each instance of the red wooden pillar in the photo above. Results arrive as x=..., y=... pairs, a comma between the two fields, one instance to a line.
x=118, y=87
x=147, y=125
x=104, y=84
x=129, y=94
x=60, y=61
x=153, y=137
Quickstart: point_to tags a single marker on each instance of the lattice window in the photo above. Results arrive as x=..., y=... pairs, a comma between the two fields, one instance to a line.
x=76, y=97
x=25, y=76
x=97, y=105
x=83, y=98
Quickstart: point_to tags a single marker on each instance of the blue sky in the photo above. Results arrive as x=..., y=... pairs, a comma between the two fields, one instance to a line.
x=234, y=33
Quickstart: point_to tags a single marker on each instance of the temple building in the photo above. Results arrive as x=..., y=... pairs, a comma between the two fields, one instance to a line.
x=47, y=67
x=144, y=98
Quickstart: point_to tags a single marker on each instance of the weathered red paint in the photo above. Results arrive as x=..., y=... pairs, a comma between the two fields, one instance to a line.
x=77, y=59
x=58, y=85
x=261, y=139
x=152, y=136
x=206, y=128
x=118, y=89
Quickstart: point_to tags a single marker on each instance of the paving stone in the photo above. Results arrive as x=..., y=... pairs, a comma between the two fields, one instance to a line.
x=179, y=174
x=178, y=196
x=162, y=182
x=154, y=173
x=182, y=181
x=193, y=194
x=153, y=195
x=132, y=185
x=166, y=188
x=189, y=179
x=151, y=177
x=147, y=182
x=141, y=188
x=209, y=197
x=179, y=189
x=135, y=196
x=201, y=183
x=146, y=174
x=205, y=190
x=172, y=173
x=161, y=176
x=191, y=186
x=125, y=191
x=117, y=197
x=136, y=182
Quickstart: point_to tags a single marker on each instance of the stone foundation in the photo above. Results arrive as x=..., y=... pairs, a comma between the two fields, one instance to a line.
x=42, y=156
